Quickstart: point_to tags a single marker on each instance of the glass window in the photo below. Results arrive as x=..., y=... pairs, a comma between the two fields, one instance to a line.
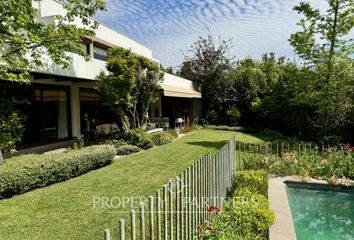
x=86, y=47
x=100, y=53
x=46, y=111
x=93, y=111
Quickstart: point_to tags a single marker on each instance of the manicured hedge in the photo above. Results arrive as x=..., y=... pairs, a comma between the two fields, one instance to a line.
x=246, y=213
x=254, y=180
x=138, y=137
x=127, y=149
x=27, y=172
x=161, y=138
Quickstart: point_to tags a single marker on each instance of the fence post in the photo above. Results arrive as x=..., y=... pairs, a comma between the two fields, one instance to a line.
x=189, y=229
x=132, y=224
x=122, y=232
x=165, y=212
x=142, y=222
x=107, y=234
x=171, y=210
x=151, y=217
x=181, y=202
x=177, y=208
x=198, y=192
x=158, y=214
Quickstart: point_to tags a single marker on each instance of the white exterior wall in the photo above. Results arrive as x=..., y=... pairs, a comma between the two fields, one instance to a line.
x=79, y=67
x=47, y=9
x=177, y=81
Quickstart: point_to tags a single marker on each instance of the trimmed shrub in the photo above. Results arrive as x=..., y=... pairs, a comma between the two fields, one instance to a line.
x=161, y=138
x=222, y=127
x=114, y=143
x=256, y=181
x=127, y=149
x=186, y=129
x=138, y=137
x=115, y=134
x=245, y=216
x=173, y=133
x=23, y=173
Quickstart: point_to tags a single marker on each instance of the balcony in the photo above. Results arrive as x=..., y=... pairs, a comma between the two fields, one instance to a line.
x=79, y=67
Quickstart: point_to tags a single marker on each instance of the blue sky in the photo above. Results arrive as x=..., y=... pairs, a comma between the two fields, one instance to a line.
x=171, y=26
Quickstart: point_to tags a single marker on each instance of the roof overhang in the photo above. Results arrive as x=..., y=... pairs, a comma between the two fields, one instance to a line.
x=176, y=91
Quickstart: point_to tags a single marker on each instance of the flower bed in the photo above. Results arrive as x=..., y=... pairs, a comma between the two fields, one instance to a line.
x=246, y=215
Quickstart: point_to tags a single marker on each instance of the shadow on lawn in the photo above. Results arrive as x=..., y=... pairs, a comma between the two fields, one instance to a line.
x=209, y=144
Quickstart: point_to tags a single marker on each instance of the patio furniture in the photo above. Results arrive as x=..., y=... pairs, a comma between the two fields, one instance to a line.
x=161, y=122
x=180, y=123
x=155, y=130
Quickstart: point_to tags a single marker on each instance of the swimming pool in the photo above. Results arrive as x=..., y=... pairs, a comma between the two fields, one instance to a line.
x=321, y=212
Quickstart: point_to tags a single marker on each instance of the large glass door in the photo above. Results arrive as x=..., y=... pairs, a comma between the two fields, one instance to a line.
x=46, y=109
x=55, y=114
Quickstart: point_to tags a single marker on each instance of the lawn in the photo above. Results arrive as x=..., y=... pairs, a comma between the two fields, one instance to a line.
x=65, y=210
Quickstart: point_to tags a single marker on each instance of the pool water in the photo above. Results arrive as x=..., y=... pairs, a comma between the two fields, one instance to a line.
x=322, y=214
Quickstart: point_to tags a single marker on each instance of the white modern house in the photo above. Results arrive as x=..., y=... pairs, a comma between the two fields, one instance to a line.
x=61, y=101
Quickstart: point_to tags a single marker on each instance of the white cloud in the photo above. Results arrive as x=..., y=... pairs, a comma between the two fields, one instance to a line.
x=168, y=26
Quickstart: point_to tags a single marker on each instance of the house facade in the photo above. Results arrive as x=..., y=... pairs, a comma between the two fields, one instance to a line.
x=60, y=103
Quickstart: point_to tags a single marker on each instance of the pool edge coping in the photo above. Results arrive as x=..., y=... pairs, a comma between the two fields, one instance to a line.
x=283, y=227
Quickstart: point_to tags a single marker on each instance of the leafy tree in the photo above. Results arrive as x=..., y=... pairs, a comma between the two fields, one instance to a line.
x=167, y=70
x=130, y=86
x=324, y=45
x=284, y=109
x=206, y=67
x=24, y=38
x=11, y=125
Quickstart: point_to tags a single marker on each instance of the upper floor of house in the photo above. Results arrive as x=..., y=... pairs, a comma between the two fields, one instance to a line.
x=97, y=46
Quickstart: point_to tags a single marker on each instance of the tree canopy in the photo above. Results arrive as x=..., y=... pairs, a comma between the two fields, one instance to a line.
x=206, y=67
x=312, y=99
x=25, y=38
x=324, y=45
x=131, y=85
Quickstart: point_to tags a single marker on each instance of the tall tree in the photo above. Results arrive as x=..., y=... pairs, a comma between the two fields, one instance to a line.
x=323, y=43
x=25, y=38
x=206, y=67
x=131, y=85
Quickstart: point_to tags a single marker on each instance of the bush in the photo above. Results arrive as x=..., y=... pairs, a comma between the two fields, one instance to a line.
x=249, y=211
x=186, y=129
x=161, y=138
x=173, y=133
x=23, y=173
x=138, y=137
x=256, y=181
x=114, y=135
x=222, y=127
x=246, y=216
x=127, y=149
x=114, y=143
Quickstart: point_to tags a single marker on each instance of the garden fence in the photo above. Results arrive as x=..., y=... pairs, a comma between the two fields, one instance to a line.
x=185, y=202
x=249, y=155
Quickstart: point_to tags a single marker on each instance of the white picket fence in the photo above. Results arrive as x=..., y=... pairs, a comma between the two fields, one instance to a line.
x=182, y=205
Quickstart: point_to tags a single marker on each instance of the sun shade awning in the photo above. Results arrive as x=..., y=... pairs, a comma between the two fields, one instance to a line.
x=175, y=91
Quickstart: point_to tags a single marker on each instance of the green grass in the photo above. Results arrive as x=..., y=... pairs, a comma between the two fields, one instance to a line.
x=65, y=210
